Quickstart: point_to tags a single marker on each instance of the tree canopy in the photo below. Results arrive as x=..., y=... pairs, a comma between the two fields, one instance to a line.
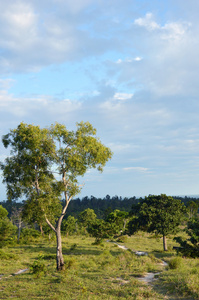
x=45, y=165
x=160, y=214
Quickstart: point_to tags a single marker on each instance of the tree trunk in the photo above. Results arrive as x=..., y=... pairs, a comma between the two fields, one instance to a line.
x=41, y=229
x=164, y=243
x=60, y=260
x=19, y=230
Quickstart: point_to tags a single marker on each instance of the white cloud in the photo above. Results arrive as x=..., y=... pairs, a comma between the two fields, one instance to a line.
x=36, y=106
x=137, y=169
x=137, y=83
x=122, y=96
x=138, y=58
x=147, y=22
x=129, y=60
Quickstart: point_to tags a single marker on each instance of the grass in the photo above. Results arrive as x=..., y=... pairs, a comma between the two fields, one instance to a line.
x=95, y=272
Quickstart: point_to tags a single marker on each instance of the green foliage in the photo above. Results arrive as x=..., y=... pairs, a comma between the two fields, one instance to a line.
x=87, y=217
x=101, y=229
x=175, y=262
x=38, y=268
x=6, y=256
x=192, y=208
x=118, y=218
x=38, y=156
x=160, y=214
x=29, y=235
x=122, y=239
x=7, y=229
x=69, y=225
x=35, y=152
x=3, y=213
x=190, y=247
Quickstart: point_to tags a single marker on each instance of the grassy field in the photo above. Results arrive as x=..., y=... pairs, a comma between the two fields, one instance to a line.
x=97, y=272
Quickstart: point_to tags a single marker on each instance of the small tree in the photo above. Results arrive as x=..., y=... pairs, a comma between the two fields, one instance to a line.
x=7, y=229
x=118, y=218
x=160, y=214
x=45, y=164
x=86, y=218
x=101, y=229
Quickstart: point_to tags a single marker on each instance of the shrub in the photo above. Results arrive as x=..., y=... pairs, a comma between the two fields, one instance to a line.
x=29, y=234
x=6, y=256
x=175, y=263
x=38, y=268
x=190, y=247
x=122, y=239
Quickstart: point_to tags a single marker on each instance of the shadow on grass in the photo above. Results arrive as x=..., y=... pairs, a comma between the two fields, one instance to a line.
x=49, y=250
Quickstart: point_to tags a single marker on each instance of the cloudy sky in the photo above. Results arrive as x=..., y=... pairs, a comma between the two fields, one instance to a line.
x=129, y=67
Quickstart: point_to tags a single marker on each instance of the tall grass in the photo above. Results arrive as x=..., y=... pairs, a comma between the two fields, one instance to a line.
x=92, y=271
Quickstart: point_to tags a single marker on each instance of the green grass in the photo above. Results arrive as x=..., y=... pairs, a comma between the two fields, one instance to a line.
x=95, y=272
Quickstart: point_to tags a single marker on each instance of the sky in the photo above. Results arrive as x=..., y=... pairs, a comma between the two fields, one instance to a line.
x=129, y=67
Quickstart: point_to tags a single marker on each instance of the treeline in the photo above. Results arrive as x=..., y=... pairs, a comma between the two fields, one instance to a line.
x=117, y=217
x=101, y=206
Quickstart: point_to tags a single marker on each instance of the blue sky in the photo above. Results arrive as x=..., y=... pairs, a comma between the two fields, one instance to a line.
x=129, y=67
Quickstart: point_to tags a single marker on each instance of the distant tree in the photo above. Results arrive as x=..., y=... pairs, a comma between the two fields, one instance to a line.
x=101, y=229
x=192, y=209
x=69, y=225
x=44, y=165
x=119, y=218
x=160, y=214
x=86, y=218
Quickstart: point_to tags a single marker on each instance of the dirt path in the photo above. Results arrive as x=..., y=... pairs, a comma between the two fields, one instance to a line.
x=148, y=278
x=17, y=273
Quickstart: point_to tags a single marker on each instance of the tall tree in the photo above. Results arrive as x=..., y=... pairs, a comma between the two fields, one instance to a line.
x=45, y=165
x=161, y=214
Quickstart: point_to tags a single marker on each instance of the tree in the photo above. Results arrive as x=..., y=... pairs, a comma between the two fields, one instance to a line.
x=101, y=229
x=45, y=165
x=70, y=225
x=87, y=217
x=160, y=214
x=16, y=218
x=119, y=218
x=192, y=209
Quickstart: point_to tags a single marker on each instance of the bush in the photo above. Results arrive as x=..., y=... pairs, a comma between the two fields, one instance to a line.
x=29, y=234
x=6, y=256
x=175, y=263
x=38, y=268
x=190, y=247
x=7, y=229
